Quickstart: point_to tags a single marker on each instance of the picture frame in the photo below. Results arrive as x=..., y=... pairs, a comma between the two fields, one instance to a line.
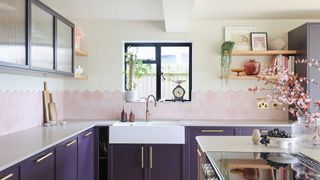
x=259, y=41
x=241, y=37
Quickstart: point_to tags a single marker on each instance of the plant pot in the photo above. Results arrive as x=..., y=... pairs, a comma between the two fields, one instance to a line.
x=252, y=67
x=131, y=96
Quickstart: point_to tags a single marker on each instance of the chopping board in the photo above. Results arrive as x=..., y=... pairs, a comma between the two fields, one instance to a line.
x=46, y=101
x=52, y=109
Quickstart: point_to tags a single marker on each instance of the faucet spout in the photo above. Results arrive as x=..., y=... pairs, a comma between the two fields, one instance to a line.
x=147, y=106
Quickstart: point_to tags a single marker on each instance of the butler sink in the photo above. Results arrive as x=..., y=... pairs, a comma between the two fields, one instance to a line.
x=154, y=132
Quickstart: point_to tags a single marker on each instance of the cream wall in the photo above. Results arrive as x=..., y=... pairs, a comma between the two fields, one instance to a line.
x=104, y=42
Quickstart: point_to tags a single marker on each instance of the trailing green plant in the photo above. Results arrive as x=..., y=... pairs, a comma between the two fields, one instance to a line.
x=226, y=53
x=135, y=70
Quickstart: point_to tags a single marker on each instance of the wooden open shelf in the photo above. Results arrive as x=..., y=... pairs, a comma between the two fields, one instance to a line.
x=80, y=52
x=245, y=77
x=264, y=53
x=81, y=77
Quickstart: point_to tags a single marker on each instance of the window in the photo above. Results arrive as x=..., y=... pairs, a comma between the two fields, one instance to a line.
x=168, y=63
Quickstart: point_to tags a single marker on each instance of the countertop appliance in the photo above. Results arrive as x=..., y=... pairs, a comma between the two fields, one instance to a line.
x=259, y=166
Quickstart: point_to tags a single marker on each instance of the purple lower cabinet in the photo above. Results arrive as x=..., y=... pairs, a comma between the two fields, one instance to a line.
x=11, y=173
x=165, y=162
x=247, y=131
x=127, y=162
x=86, y=155
x=66, y=160
x=191, y=134
x=39, y=167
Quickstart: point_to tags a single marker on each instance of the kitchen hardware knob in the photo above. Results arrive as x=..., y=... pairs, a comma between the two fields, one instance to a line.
x=151, y=157
x=212, y=131
x=88, y=134
x=199, y=153
x=44, y=157
x=70, y=143
x=142, y=159
x=7, y=176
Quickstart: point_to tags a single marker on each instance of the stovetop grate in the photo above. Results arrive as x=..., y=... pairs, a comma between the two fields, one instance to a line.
x=307, y=161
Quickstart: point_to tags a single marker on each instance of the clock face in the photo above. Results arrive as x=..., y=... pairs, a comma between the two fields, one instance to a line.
x=178, y=92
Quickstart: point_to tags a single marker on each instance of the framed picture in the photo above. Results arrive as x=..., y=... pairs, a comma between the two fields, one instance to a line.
x=239, y=35
x=259, y=41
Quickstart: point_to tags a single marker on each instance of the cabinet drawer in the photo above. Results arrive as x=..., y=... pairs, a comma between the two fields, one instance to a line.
x=40, y=166
x=11, y=173
x=247, y=131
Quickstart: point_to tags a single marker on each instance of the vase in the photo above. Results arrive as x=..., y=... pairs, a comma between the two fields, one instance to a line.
x=131, y=96
x=307, y=133
x=252, y=67
x=256, y=136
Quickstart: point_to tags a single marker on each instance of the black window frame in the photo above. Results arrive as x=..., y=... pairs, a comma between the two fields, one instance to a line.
x=157, y=62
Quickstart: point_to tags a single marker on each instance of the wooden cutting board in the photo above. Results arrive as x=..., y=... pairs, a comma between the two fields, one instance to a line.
x=52, y=109
x=46, y=101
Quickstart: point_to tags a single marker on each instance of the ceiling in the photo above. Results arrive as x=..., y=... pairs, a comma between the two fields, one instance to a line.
x=177, y=13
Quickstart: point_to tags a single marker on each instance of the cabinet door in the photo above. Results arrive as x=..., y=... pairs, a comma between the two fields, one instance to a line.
x=65, y=53
x=66, y=160
x=42, y=37
x=11, y=173
x=247, y=131
x=13, y=33
x=86, y=155
x=128, y=162
x=165, y=162
x=39, y=167
x=192, y=133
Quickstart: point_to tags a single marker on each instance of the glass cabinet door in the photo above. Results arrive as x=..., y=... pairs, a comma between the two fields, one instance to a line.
x=64, y=47
x=42, y=38
x=13, y=32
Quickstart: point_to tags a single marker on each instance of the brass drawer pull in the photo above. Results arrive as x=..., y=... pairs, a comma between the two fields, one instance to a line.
x=7, y=176
x=264, y=131
x=199, y=153
x=88, y=134
x=142, y=154
x=212, y=131
x=70, y=143
x=151, y=163
x=44, y=157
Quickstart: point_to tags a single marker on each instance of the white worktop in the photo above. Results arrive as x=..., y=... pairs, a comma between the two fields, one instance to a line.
x=22, y=145
x=244, y=144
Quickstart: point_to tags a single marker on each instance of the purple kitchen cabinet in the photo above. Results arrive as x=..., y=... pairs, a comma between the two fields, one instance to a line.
x=127, y=162
x=165, y=161
x=191, y=143
x=86, y=155
x=247, y=131
x=67, y=160
x=11, y=173
x=39, y=167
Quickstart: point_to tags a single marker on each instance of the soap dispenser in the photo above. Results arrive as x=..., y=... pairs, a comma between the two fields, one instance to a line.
x=132, y=116
x=123, y=115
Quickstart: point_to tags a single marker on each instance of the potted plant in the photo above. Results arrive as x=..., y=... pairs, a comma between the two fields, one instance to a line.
x=226, y=53
x=135, y=70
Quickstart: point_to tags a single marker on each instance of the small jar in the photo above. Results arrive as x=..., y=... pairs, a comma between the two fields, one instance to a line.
x=252, y=67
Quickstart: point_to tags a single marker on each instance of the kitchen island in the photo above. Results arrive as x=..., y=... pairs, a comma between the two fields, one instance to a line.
x=231, y=157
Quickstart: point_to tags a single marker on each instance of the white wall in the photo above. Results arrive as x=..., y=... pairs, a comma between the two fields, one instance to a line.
x=104, y=42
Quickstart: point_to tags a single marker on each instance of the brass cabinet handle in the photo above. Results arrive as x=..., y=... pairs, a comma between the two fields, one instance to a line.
x=199, y=153
x=44, y=157
x=142, y=158
x=88, y=134
x=7, y=176
x=151, y=156
x=212, y=131
x=264, y=131
x=70, y=143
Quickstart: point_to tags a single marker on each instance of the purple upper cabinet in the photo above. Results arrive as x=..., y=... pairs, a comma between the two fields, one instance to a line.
x=11, y=173
x=191, y=134
x=86, y=155
x=39, y=167
x=66, y=160
x=165, y=162
x=247, y=131
x=128, y=162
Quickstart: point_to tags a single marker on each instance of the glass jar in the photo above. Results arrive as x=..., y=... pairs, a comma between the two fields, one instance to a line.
x=307, y=134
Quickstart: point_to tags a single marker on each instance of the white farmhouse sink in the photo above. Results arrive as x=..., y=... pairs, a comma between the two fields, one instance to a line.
x=154, y=132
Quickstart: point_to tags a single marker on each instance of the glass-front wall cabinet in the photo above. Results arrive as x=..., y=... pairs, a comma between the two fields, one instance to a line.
x=42, y=38
x=13, y=33
x=64, y=47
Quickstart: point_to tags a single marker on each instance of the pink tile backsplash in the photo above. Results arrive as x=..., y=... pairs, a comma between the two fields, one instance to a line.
x=23, y=109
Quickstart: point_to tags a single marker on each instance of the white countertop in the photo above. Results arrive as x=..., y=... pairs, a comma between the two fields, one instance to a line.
x=21, y=145
x=244, y=144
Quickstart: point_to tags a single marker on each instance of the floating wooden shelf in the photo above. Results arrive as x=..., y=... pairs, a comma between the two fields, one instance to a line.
x=80, y=52
x=264, y=53
x=245, y=77
x=81, y=77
